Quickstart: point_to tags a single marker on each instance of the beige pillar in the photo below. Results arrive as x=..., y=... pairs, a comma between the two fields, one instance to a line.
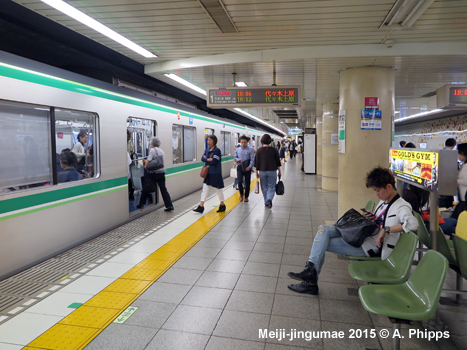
x=319, y=144
x=329, y=150
x=364, y=149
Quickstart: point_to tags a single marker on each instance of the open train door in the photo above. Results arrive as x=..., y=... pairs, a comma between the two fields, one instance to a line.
x=139, y=134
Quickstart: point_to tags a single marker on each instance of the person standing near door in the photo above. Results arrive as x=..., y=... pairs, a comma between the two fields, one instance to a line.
x=244, y=158
x=130, y=147
x=157, y=176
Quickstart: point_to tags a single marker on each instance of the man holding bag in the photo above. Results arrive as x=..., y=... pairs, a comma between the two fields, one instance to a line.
x=244, y=158
x=393, y=215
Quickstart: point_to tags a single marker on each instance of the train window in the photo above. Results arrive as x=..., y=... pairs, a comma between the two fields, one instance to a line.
x=235, y=141
x=75, y=140
x=207, y=132
x=25, y=145
x=30, y=152
x=141, y=131
x=189, y=144
x=253, y=142
x=177, y=143
x=224, y=143
x=183, y=144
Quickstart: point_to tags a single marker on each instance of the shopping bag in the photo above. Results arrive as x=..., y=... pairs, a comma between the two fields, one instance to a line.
x=257, y=185
x=233, y=172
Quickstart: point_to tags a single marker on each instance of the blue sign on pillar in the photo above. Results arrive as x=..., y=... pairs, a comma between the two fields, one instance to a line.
x=191, y=119
x=371, y=120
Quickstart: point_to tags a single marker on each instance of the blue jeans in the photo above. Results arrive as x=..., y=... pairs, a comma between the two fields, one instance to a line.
x=236, y=182
x=329, y=239
x=268, y=184
x=449, y=226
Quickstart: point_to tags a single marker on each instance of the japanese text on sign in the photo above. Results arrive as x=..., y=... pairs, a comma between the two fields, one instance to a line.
x=257, y=96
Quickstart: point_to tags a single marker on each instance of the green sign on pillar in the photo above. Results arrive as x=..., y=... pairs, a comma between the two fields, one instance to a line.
x=341, y=147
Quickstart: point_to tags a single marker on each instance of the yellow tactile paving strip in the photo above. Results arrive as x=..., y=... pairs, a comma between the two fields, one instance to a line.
x=80, y=327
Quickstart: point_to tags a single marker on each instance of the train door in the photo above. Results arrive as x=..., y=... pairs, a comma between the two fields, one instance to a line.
x=139, y=134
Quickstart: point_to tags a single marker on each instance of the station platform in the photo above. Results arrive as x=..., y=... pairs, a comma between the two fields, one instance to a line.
x=185, y=280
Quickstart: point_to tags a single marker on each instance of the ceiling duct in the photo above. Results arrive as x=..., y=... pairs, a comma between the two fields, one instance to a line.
x=292, y=125
x=217, y=11
x=430, y=94
x=286, y=113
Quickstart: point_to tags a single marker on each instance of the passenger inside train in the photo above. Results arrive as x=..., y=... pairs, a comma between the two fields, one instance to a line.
x=68, y=161
x=80, y=151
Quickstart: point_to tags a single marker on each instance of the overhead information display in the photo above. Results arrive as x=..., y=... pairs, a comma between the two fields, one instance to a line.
x=458, y=95
x=253, y=96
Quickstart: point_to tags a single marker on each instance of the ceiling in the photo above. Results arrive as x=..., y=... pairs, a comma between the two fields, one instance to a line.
x=305, y=42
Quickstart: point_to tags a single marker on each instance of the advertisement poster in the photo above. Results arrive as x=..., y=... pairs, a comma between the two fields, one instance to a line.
x=371, y=120
x=415, y=166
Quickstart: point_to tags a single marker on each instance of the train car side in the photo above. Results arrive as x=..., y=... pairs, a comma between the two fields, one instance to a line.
x=37, y=223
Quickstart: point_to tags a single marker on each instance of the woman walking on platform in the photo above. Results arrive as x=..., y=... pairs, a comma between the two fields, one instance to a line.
x=212, y=158
x=267, y=162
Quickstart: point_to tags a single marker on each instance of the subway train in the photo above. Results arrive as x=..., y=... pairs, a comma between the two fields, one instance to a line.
x=45, y=111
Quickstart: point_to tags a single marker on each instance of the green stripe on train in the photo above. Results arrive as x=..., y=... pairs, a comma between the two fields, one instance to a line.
x=53, y=205
x=28, y=201
x=19, y=73
x=33, y=200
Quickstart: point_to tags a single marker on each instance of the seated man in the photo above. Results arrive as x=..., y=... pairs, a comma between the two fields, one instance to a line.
x=393, y=215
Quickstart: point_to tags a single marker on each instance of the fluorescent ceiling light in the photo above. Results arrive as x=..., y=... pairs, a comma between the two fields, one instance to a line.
x=240, y=84
x=418, y=115
x=404, y=13
x=416, y=13
x=259, y=120
x=92, y=23
x=185, y=82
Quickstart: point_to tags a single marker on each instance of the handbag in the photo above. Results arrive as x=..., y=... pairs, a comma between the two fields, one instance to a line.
x=233, y=172
x=426, y=217
x=205, y=169
x=355, y=227
x=156, y=163
x=280, y=187
x=245, y=164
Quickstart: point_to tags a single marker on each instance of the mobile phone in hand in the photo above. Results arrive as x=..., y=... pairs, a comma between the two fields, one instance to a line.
x=366, y=211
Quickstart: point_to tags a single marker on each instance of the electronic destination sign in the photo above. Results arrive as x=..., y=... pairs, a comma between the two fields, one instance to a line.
x=253, y=96
x=458, y=95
